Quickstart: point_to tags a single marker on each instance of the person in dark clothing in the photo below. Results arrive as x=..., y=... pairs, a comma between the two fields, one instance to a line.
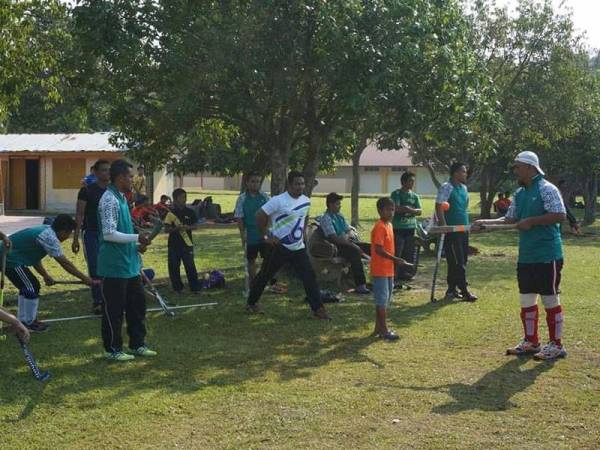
x=288, y=213
x=454, y=192
x=408, y=207
x=335, y=229
x=86, y=220
x=180, y=222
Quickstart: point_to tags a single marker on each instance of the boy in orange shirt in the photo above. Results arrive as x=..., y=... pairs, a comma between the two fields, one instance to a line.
x=382, y=266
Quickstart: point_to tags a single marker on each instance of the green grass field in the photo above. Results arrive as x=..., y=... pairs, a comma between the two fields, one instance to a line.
x=283, y=380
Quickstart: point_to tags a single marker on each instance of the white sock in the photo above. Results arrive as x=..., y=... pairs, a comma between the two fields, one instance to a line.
x=31, y=308
x=21, y=311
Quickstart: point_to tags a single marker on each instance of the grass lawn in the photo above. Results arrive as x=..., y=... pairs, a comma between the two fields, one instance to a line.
x=283, y=380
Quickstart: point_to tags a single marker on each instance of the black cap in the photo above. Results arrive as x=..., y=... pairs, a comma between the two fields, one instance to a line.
x=332, y=198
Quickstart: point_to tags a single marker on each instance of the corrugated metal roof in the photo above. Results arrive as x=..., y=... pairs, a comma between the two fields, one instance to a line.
x=373, y=157
x=76, y=142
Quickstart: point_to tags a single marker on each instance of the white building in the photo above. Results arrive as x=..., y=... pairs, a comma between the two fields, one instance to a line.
x=42, y=173
x=380, y=172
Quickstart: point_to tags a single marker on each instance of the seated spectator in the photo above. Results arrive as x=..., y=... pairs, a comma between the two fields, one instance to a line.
x=336, y=230
x=163, y=206
x=501, y=205
x=143, y=214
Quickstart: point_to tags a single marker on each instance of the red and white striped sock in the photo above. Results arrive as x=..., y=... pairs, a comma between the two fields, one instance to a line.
x=554, y=319
x=529, y=317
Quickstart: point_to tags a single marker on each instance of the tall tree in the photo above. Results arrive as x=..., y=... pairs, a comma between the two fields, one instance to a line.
x=30, y=42
x=523, y=57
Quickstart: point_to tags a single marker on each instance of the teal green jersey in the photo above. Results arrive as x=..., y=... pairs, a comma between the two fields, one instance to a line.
x=404, y=221
x=116, y=260
x=541, y=243
x=246, y=208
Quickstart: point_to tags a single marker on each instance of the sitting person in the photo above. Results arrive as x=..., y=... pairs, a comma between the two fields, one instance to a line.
x=143, y=214
x=163, y=206
x=501, y=205
x=336, y=230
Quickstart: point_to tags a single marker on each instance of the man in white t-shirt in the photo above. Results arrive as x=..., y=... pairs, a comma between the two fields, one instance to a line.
x=288, y=213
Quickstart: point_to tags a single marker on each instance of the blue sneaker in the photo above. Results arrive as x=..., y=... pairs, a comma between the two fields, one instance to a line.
x=362, y=289
x=550, y=352
x=389, y=336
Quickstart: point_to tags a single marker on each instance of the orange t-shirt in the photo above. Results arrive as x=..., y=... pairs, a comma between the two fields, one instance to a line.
x=382, y=234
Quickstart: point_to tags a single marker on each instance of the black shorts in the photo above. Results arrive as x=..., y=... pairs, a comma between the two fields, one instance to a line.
x=539, y=278
x=253, y=250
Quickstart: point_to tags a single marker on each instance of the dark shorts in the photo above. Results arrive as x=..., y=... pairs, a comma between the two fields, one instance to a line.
x=539, y=278
x=253, y=250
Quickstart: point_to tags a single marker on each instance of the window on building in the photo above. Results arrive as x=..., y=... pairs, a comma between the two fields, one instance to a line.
x=68, y=172
x=399, y=169
x=372, y=169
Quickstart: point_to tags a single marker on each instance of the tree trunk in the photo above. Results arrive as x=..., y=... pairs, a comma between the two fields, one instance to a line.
x=431, y=171
x=487, y=190
x=354, y=206
x=279, y=167
x=486, y=198
x=312, y=163
x=590, y=197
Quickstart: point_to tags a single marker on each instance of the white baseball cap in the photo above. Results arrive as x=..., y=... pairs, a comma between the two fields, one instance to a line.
x=531, y=159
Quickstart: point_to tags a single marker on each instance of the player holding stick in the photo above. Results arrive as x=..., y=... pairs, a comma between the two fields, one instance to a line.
x=537, y=210
x=28, y=248
x=119, y=265
x=456, y=245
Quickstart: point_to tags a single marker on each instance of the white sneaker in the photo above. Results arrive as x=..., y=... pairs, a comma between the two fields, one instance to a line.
x=523, y=348
x=551, y=351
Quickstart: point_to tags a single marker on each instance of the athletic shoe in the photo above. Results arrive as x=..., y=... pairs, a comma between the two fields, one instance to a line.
x=362, y=289
x=119, y=356
x=468, y=296
x=523, y=348
x=389, y=336
x=36, y=326
x=254, y=309
x=321, y=314
x=451, y=294
x=143, y=351
x=550, y=352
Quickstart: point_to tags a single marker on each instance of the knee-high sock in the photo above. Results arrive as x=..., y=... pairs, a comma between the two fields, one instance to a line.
x=554, y=319
x=31, y=308
x=21, y=315
x=529, y=317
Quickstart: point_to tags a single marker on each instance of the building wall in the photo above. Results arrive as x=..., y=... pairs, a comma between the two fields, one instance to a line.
x=64, y=200
x=381, y=180
x=61, y=200
x=164, y=183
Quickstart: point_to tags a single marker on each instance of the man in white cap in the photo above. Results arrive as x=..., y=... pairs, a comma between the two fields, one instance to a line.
x=538, y=211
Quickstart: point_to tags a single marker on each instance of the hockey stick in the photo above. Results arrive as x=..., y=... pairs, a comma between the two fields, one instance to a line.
x=154, y=292
x=466, y=228
x=416, y=255
x=37, y=373
x=96, y=316
x=4, y=252
x=437, y=266
x=156, y=229
x=246, y=267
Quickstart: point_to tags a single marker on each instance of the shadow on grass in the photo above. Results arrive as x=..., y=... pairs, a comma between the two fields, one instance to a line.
x=493, y=391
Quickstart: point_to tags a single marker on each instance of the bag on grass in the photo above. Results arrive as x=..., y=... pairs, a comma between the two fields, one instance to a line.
x=213, y=279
